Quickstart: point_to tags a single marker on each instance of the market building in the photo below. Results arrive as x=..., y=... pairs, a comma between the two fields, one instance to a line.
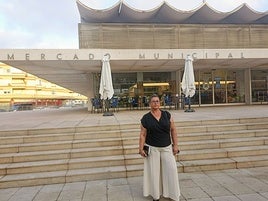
x=147, y=52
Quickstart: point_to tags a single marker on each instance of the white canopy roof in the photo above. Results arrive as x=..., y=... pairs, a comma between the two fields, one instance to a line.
x=121, y=12
x=72, y=68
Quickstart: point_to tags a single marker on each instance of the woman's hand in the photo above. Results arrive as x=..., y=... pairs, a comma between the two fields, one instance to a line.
x=142, y=153
x=175, y=149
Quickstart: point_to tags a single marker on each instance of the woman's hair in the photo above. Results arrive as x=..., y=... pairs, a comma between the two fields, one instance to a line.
x=153, y=96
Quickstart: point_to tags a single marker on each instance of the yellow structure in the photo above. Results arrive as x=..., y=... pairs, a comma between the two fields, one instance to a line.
x=22, y=91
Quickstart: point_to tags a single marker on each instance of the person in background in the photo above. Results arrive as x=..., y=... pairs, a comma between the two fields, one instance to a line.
x=158, y=144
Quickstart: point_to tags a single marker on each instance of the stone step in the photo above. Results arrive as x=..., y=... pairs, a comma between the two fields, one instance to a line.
x=247, y=151
x=59, y=155
x=207, y=122
x=210, y=154
x=35, y=139
x=99, y=147
x=35, y=156
x=43, y=146
x=225, y=163
x=207, y=129
x=262, y=133
x=185, y=155
x=195, y=136
x=130, y=159
x=187, y=127
x=211, y=128
x=136, y=159
x=236, y=142
x=221, y=121
x=91, y=162
x=67, y=130
x=74, y=175
x=222, y=143
x=205, y=132
x=223, y=153
x=34, y=132
x=61, y=130
x=253, y=126
x=221, y=127
x=57, y=137
x=42, y=178
x=97, y=151
x=63, y=164
x=210, y=136
x=210, y=125
x=251, y=161
x=208, y=165
x=128, y=150
x=254, y=120
x=33, y=167
x=216, y=135
x=128, y=139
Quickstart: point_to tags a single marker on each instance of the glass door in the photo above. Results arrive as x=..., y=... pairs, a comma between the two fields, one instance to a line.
x=204, y=87
x=219, y=84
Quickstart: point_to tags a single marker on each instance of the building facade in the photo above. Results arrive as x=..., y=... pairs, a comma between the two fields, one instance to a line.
x=148, y=50
x=220, y=82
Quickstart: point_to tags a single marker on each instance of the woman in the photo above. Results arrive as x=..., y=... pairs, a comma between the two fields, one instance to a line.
x=158, y=132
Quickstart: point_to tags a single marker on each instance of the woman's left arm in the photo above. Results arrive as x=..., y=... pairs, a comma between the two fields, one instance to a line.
x=174, y=136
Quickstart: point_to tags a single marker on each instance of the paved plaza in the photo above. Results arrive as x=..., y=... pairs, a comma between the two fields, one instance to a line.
x=73, y=117
x=226, y=185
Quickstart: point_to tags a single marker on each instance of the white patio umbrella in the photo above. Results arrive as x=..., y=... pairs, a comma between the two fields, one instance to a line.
x=188, y=81
x=106, y=90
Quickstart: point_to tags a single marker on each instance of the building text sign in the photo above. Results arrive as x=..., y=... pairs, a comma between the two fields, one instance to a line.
x=123, y=54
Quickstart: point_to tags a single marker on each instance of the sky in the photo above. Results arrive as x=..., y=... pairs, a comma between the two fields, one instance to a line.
x=53, y=24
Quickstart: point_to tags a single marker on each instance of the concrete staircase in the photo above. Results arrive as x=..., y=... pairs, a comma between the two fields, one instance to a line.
x=48, y=156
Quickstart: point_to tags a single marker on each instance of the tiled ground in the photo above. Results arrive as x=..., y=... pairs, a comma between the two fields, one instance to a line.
x=228, y=185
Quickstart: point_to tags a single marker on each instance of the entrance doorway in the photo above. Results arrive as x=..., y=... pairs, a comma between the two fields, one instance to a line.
x=213, y=86
x=259, y=84
x=219, y=87
x=132, y=90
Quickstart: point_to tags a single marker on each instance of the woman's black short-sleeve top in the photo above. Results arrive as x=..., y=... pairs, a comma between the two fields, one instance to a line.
x=158, y=132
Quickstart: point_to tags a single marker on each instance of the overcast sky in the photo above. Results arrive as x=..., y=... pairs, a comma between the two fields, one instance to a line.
x=53, y=23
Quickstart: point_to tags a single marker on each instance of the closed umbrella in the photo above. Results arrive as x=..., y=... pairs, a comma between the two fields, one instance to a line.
x=106, y=90
x=188, y=81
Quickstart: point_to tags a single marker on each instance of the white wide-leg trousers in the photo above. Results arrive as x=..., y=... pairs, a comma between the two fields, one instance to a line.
x=160, y=176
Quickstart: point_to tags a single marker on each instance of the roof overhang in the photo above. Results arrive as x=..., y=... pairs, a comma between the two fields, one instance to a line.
x=121, y=12
x=71, y=68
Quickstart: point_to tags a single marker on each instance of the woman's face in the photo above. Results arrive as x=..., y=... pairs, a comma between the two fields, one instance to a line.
x=155, y=103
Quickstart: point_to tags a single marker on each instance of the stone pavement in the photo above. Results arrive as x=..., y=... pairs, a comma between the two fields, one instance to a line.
x=226, y=185
x=72, y=117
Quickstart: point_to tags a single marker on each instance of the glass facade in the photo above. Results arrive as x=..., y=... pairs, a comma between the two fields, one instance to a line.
x=219, y=87
x=134, y=89
x=259, y=86
x=213, y=87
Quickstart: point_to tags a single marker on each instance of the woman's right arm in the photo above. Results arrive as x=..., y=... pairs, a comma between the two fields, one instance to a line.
x=143, y=133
